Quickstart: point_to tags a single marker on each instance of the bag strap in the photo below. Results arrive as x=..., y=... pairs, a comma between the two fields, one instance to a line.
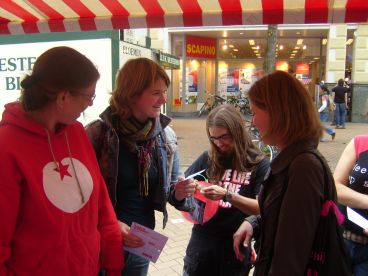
x=329, y=190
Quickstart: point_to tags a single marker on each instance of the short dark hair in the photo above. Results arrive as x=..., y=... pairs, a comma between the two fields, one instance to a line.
x=57, y=69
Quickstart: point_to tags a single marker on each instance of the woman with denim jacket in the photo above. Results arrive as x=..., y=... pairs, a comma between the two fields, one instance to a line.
x=137, y=153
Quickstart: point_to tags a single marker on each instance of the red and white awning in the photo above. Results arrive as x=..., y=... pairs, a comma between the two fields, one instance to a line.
x=43, y=16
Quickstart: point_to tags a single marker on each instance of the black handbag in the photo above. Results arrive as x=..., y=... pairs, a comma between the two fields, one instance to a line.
x=328, y=256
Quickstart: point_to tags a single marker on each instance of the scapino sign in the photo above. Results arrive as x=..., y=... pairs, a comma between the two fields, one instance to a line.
x=201, y=47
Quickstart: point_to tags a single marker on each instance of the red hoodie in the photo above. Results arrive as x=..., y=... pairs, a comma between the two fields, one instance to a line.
x=52, y=222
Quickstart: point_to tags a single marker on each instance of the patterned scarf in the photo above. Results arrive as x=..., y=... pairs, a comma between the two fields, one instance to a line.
x=139, y=139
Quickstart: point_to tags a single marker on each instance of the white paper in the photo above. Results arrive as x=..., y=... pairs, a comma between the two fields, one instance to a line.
x=154, y=242
x=194, y=174
x=357, y=218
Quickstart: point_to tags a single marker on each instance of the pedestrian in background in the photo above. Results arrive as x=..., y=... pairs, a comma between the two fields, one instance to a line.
x=138, y=153
x=324, y=110
x=236, y=168
x=340, y=98
x=352, y=191
x=55, y=212
x=292, y=195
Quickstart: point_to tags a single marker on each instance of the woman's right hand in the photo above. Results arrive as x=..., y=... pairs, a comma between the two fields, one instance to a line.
x=243, y=237
x=129, y=239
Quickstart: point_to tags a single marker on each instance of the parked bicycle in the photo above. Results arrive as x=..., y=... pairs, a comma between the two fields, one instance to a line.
x=242, y=103
x=211, y=102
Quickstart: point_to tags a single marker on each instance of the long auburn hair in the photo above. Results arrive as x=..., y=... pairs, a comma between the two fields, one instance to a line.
x=288, y=103
x=245, y=155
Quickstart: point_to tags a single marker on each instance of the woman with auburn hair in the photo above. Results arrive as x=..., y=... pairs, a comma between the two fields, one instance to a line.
x=138, y=154
x=235, y=168
x=293, y=194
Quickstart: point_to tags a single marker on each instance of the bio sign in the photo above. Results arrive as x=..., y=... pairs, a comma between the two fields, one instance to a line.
x=14, y=64
x=17, y=60
x=200, y=47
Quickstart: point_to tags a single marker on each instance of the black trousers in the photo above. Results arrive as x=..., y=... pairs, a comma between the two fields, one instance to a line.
x=210, y=255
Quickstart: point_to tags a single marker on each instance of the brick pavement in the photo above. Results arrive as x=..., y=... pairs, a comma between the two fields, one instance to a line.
x=192, y=141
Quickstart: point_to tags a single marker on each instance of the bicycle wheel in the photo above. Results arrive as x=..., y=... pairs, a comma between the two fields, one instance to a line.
x=266, y=149
x=202, y=110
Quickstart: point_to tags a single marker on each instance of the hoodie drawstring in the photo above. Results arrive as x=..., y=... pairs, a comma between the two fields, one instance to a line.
x=71, y=160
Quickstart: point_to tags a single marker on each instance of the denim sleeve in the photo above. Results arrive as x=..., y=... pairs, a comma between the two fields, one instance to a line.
x=175, y=172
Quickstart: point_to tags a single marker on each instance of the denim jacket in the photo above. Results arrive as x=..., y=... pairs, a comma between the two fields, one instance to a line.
x=105, y=141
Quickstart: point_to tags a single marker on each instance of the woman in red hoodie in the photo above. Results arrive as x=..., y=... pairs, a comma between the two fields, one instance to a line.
x=56, y=216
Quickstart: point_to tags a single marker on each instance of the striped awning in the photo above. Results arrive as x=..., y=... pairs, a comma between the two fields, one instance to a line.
x=43, y=16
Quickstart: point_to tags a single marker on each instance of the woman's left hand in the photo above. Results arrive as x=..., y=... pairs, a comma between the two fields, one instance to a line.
x=214, y=192
x=185, y=188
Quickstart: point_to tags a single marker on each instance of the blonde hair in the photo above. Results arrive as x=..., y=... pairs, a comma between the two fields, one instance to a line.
x=290, y=107
x=245, y=155
x=132, y=79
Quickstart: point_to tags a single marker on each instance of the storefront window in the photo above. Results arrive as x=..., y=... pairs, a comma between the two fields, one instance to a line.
x=237, y=76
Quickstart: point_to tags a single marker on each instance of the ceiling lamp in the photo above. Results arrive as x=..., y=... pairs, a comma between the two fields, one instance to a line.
x=349, y=41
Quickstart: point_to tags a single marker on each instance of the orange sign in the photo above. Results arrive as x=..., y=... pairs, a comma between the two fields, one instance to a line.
x=302, y=68
x=282, y=66
x=200, y=47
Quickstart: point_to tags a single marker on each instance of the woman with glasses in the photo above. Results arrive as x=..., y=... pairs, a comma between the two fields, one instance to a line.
x=235, y=167
x=138, y=154
x=55, y=212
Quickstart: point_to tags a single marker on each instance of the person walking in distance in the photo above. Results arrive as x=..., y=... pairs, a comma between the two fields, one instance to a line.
x=340, y=99
x=324, y=110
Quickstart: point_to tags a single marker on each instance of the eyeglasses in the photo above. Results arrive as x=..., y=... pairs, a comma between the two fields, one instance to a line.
x=90, y=97
x=223, y=138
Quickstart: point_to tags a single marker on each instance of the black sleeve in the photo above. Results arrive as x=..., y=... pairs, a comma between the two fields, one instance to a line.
x=201, y=163
x=261, y=171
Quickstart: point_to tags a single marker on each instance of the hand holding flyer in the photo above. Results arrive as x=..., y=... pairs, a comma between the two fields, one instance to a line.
x=154, y=242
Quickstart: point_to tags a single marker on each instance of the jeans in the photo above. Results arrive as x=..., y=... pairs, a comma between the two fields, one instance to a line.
x=323, y=116
x=358, y=254
x=340, y=114
x=134, y=265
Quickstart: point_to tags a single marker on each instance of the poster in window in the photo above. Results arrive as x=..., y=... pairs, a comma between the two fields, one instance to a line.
x=232, y=80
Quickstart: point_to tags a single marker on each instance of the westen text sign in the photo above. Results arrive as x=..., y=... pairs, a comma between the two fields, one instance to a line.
x=200, y=47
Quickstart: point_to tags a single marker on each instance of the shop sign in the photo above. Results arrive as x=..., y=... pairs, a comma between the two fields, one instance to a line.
x=168, y=60
x=129, y=51
x=17, y=60
x=200, y=47
x=137, y=37
x=302, y=68
x=282, y=66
